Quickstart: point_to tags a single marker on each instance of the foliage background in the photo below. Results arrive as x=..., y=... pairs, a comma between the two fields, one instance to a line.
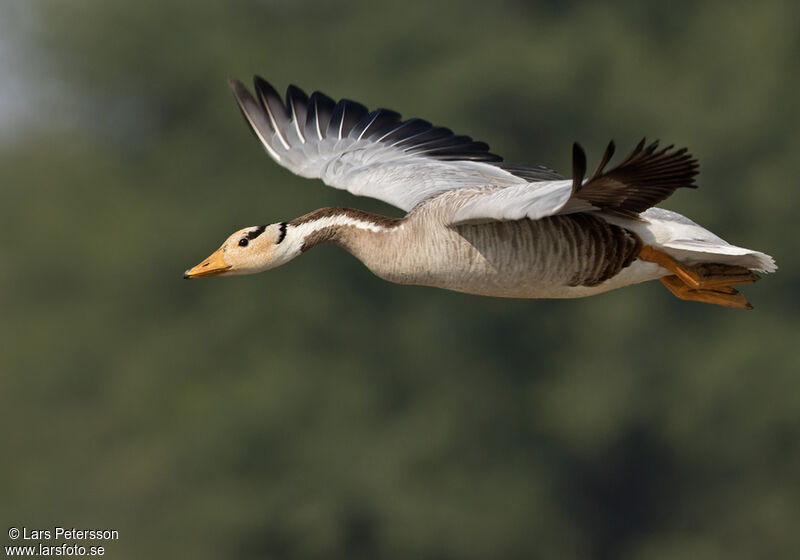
x=317, y=412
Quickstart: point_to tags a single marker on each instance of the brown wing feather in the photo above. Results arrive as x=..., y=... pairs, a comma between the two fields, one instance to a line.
x=643, y=179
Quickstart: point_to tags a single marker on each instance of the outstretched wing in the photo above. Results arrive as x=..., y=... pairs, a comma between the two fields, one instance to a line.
x=376, y=154
x=641, y=180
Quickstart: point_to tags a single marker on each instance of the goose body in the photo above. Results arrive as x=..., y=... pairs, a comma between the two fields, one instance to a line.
x=555, y=257
x=474, y=223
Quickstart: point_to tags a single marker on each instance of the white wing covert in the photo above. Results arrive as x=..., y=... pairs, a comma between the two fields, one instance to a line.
x=642, y=179
x=373, y=154
x=528, y=200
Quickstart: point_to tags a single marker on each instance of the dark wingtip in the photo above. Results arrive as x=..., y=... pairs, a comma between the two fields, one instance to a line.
x=240, y=91
x=265, y=90
x=234, y=83
x=607, y=155
x=293, y=91
x=578, y=166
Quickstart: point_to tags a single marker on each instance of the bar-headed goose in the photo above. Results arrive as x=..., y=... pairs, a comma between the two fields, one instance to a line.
x=475, y=223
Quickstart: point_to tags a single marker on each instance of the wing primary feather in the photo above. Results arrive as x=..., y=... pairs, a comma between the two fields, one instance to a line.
x=607, y=155
x=297, y=102
x=451, y=147
x=578, y=167
x=355, y=113
x=273, y=105
x=471, y=147
x=335, y=126
x=320, y=109
x=447, y=142
x=425, y=138
x=346, y=115
x=312, y=122
x=364, y=124
x=255, y=116
x=377, y=122
x=404, y=130
x=473, y=151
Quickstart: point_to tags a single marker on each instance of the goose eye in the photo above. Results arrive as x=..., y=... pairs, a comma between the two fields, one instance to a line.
x=243, y=242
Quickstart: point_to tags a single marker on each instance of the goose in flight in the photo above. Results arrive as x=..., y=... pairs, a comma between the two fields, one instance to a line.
x=473, y=222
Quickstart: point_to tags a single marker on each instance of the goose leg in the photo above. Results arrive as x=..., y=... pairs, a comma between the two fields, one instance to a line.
x=712, y=275
x=721, y=295
x=700, y=276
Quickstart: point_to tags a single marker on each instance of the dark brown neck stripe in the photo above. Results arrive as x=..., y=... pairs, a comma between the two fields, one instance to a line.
x=360, y=215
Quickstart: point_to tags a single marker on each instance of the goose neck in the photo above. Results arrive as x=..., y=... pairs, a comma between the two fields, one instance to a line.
x=339, y=226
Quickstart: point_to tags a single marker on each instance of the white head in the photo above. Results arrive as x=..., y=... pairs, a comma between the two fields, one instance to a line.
x=249, y=250
x=260, y=248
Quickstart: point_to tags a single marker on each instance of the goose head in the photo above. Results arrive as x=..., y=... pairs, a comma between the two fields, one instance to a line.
x=249, y=250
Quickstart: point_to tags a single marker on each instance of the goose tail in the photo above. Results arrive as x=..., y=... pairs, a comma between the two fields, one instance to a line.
x=690, y=243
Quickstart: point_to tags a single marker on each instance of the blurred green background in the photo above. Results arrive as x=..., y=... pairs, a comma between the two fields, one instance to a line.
x=316, y=411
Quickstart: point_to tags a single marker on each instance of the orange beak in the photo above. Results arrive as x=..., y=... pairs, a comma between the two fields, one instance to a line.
x=212, y=266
